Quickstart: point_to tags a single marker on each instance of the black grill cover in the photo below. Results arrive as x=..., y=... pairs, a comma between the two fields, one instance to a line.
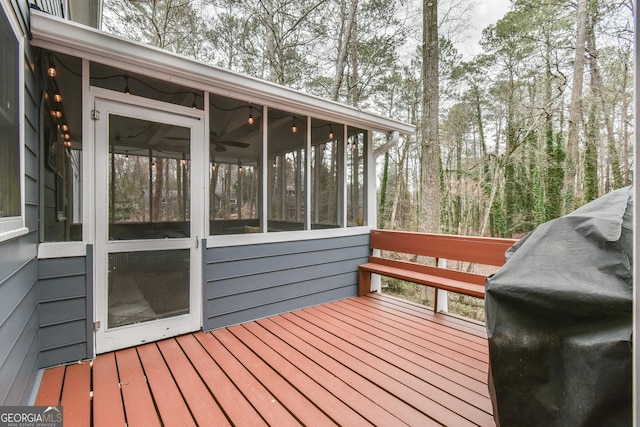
x=559, y=321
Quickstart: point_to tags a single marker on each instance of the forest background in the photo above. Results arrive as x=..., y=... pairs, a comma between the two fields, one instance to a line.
x=533, y=125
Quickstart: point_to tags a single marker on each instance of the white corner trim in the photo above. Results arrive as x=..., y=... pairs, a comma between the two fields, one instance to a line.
x=284, y=236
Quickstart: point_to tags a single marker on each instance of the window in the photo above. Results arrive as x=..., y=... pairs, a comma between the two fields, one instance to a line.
x=286, y=142
x=235, y=149
x=10, y=194
x=326, y=164
x=356, y=143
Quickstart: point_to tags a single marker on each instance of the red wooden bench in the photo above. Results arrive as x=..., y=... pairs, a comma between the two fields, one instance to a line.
x=478, y=250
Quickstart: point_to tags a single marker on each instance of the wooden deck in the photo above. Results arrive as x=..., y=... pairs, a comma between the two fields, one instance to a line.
x=361, y=361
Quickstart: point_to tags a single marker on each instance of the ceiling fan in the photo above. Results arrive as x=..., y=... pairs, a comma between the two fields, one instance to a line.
x=219, y=145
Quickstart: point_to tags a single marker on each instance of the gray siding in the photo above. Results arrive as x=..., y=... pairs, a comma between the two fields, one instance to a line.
x=66, y=309
x=244, y=283
x=19, y=268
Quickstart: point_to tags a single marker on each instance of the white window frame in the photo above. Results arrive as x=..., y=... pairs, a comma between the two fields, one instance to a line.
x=11, y=227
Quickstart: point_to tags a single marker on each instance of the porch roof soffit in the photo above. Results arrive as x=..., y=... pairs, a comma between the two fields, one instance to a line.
x=74, y=39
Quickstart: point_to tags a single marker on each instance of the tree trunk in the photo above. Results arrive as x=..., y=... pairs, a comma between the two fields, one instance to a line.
x=429, y=220
x=572, y=160
x=382, y=210
x=597, y=87
x=343, y=49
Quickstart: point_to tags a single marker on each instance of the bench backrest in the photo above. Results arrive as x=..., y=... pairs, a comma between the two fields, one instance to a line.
x=481, y=250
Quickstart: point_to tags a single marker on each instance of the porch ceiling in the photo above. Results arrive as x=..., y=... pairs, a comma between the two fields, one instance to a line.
x=372, y=360
x=78, y=40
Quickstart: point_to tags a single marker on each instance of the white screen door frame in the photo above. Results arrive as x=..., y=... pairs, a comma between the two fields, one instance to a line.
x=113, y=336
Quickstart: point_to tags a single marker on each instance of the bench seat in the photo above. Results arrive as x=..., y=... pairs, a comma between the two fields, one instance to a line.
x=436, y=281
x=467, y=249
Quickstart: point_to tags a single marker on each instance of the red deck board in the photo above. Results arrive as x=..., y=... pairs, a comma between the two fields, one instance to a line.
x=136, y=396
x=50, y=390
x=107, y=400
x=418, y=324
x=402, y=306
x=173, y=410
x=237, y=408
x=359, y=361
x=426, y=339
x=203, y=406
x=378, y=386
x=256, y=393
x=376, y=371
x=265, y=344
x=303, y=409
x=76, y=395
x=348, y=386
x=443, y=361
x=465, y=396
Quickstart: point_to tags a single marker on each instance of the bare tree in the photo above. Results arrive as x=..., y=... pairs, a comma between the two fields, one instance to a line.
x=575, y=108
x=429, y=221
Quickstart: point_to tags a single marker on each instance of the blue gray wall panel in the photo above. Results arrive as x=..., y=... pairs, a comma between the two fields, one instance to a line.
x=18, y=263
x=66, y=309
x=18, y=319
x=243, y=283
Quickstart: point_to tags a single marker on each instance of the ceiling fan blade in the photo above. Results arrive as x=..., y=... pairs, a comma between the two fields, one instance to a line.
x=233, y=143
x=219, y=148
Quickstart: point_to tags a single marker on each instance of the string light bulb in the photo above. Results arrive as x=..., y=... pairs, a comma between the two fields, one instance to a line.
x=65, y=127
x=251, y=120
x=194, y=106
x=57, y=97
x=126, y=85
x=126, y=157
x=213, y=167
x=331, y=135
x=294, y=128
x=51, y=69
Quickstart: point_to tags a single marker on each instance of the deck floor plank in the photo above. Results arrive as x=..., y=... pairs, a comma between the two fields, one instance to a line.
x=108, y=409
x=414, y=361
x=298, y=404
x=136, y=396
x=273, y=412
x=266, y=346
x=435, y=402
x=421, y=356
x=427, y=339
x=169, y=401
x=201, y=403
x=416, y=324
x=456, y=391
x=76, y=395
x=457, y=325
x=372, y=360
x=365, y=378
x=236, y=406
x=350, y=386
x=50, y=390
